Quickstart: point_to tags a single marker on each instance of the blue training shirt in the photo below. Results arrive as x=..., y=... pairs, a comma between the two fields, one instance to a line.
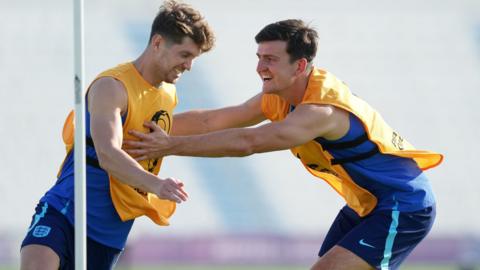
x=103, y=223
x=390, y=178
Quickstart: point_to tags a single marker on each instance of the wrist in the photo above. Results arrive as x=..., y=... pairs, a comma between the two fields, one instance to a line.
x=171, y=146
x=181, y=145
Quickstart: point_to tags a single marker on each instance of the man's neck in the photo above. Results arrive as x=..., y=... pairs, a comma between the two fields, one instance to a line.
x=295, y=93
x=143, y=67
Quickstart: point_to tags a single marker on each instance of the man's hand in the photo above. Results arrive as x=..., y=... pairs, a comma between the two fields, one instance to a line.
x=171, y=189
x=151, y=145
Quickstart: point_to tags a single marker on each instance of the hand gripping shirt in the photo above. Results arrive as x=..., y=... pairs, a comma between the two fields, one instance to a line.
x=111, y=204
x=369, y=167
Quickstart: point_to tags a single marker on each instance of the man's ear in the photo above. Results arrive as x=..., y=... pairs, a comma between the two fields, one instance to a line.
x=156, y=41
x=302, y=65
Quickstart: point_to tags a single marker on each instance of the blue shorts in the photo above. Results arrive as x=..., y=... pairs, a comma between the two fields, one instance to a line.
x=383, y=239
x=51, y=228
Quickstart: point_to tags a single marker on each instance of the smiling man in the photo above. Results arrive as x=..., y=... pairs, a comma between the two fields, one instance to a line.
x=119, y=189
x=337, y=136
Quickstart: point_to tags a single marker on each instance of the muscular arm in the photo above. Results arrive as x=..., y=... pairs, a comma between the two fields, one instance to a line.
x=107, y=100
x=307, y=122
x=204, y=121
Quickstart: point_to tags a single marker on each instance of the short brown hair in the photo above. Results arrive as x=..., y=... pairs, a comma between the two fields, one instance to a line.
x=176, y=20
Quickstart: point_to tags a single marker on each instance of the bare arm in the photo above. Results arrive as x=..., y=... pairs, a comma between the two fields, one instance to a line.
x=107, y=100
x=204, y=121
x=304, y=124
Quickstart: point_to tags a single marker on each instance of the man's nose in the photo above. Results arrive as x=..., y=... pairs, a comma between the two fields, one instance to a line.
x=188, y=65
x=260, y=66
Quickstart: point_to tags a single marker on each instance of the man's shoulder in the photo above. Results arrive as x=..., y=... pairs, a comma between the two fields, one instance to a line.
x=108, y=90
x=107, y=83
x=117, y=70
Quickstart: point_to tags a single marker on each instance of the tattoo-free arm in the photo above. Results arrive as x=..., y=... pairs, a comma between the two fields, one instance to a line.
x=204, y=121
x=107, y=99
x=307, y=122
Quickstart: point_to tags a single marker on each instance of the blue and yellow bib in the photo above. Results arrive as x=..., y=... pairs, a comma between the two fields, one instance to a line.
x=324, y=88
x=145, y=103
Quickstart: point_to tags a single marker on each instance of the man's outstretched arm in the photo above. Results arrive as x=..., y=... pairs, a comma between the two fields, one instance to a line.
x=307, y=122
x=203, y=121
x=107, y=99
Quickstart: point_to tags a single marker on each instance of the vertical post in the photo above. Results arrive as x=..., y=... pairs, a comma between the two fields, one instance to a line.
x=79, y=143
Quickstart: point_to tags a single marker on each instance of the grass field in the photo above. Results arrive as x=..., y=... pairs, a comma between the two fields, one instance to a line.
x=224, y=267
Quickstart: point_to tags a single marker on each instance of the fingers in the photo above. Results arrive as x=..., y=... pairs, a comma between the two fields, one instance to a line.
x=139, y=154
x=183, y=193
x=179, y=196
x=151, y=125
x=172, y=190
x=142, y=136
x=134, y=144
x=134, y=149
x=179, y=192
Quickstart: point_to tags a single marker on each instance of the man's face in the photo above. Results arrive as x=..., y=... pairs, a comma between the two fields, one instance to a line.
x=173, y=59
x=274, y=67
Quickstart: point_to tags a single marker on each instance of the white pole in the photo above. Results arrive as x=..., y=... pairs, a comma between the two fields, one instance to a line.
x=79, y=143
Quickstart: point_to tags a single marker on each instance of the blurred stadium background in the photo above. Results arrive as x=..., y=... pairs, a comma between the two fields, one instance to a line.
x=417, y=62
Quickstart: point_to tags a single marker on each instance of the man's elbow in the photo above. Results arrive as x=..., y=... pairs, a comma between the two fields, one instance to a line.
x=104, y=164
x=106, y=159
x=253, y=143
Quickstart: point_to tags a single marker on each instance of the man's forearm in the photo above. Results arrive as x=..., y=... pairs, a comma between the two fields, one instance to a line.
x=128, y=171
x=119, y=164
x=190, y=122
x=233, y=143
x=204, y=121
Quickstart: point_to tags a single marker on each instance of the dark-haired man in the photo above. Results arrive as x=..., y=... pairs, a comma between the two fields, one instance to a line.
x=337, y=137
x=119, y=189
